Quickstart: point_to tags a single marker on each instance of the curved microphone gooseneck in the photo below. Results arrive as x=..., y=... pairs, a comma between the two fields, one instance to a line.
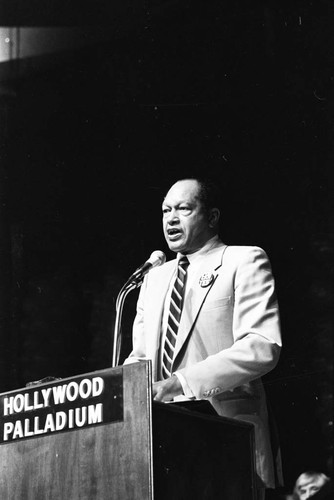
x=157, y=258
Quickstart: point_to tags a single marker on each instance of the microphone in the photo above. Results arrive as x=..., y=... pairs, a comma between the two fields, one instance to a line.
x=157, y=258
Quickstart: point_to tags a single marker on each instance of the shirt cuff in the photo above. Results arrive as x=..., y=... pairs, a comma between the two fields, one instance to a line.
x=188, y=393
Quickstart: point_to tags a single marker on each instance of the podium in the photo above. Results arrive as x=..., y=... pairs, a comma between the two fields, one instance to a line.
x=99, y=436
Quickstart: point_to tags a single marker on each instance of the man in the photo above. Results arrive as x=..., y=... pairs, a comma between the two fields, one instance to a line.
x=308, y=484
x=228, y=334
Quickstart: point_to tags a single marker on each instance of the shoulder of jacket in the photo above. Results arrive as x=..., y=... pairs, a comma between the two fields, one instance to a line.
x=240, y=252
x=244, y=249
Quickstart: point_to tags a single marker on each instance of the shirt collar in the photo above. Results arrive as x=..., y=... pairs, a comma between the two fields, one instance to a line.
x=202, y=251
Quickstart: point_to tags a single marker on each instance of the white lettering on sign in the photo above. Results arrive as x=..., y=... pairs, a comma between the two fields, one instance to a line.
x=56, y=395
x=57, y=408
x=61, y=420
x=59, y=393
x=46, y=394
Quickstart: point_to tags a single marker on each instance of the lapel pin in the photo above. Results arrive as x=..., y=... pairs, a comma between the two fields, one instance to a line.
x=205, y=280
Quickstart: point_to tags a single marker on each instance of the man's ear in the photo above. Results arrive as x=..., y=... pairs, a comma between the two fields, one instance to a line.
x=214, y=217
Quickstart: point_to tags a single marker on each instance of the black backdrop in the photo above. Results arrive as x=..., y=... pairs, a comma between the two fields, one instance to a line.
x=91, y=143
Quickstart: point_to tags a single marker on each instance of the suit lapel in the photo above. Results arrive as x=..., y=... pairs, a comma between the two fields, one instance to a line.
x=196, y=295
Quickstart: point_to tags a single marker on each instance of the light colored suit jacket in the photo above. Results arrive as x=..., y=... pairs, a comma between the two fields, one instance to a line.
x=229, y=336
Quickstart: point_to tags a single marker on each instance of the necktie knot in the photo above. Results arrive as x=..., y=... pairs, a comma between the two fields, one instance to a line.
x=184, y=263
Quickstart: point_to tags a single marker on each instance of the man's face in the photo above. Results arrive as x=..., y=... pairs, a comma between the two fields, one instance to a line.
x=309, y=487
x=185, y=221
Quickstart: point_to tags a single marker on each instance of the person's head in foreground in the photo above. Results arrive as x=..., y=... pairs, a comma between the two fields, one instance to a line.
x=308, y=484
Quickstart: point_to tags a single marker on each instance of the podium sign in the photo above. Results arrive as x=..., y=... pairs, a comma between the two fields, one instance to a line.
x=86, y=438
x=62, y=406
x=98, y=436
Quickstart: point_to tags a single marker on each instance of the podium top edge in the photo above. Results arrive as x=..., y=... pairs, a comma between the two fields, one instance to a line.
x=145, y=365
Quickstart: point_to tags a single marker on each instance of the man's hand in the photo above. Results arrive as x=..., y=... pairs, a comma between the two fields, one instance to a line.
x=166, y=390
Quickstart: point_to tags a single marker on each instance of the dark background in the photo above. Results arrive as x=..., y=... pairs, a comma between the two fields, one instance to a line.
x=91, y=142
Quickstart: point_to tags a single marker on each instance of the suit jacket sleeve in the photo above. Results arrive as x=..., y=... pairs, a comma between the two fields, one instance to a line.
x=255, y=329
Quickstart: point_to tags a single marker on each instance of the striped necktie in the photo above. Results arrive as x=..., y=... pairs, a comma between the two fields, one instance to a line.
x=175, y=310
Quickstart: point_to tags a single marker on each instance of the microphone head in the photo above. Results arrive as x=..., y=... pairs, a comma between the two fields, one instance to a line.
x=157, y=258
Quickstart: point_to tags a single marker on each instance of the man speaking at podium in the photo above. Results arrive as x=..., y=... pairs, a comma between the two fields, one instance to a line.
x=209, y=319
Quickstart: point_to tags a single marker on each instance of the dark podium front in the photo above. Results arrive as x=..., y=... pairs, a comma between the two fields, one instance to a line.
x=98, y=436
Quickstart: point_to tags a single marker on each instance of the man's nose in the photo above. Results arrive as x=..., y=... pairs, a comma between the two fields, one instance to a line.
x=173, y=217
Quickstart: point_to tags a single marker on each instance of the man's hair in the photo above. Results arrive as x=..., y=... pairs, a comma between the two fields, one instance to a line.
x=308, y=476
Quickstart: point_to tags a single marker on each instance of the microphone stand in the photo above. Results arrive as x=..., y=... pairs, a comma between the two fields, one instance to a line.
x=131, y=284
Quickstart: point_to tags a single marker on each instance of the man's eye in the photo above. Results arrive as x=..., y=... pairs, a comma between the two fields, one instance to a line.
x=165, y=210
x=185, y=209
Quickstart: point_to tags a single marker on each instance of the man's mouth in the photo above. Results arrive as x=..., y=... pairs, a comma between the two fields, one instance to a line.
x=174, y=233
